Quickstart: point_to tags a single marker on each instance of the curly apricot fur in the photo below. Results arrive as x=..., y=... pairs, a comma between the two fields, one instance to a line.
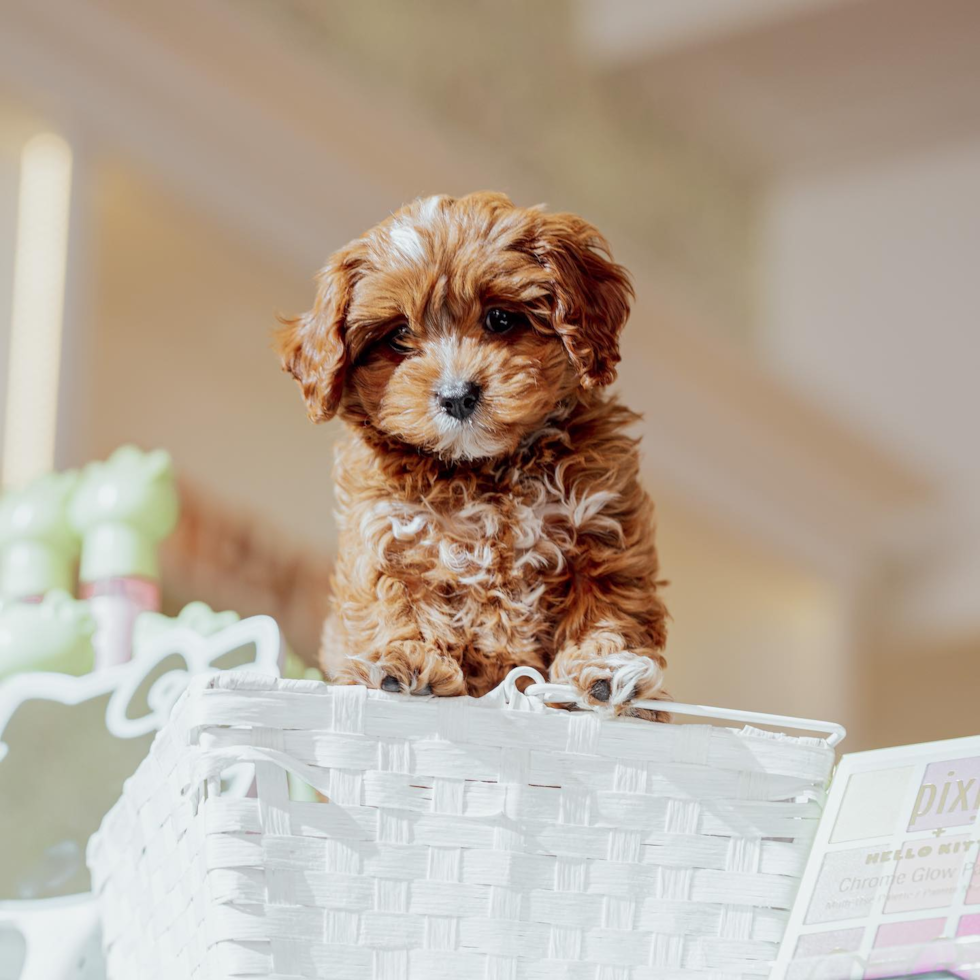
x=519, y=535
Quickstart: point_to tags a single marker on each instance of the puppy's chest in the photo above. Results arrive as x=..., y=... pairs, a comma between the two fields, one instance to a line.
x=498, y=543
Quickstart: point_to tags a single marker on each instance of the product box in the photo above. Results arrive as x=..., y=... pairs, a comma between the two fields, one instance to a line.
x=892, y=885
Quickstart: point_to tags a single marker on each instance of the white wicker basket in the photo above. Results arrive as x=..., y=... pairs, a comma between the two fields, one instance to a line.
x=497, y=839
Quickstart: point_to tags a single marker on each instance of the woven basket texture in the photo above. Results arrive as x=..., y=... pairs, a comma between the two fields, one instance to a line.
x=462, y=839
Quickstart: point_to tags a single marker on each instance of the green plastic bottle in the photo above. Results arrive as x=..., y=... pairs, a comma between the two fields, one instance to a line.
x=122, y=508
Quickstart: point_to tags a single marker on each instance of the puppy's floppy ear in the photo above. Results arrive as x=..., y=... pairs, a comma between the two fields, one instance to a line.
x=591, y=294
x=313, y=345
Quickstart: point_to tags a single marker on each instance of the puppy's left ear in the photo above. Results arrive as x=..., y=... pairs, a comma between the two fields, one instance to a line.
x=313, y=346
x=591, y=295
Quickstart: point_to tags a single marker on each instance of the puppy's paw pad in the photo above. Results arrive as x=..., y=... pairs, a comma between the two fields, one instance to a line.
x=410, y=668
x=600, y=690
x=616, y=680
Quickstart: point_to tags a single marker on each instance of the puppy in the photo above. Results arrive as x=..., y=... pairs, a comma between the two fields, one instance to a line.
x=489, y=502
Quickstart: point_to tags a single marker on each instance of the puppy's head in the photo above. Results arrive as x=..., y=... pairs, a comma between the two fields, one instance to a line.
x=458, y=326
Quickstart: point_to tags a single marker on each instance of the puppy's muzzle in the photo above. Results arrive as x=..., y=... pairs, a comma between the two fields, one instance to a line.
x=460, y=400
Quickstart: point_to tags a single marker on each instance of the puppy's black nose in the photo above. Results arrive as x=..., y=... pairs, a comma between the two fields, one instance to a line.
x=460, y=401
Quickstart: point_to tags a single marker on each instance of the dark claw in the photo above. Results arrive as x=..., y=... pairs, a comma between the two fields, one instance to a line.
x=601, y=691
x=423, y=692
x=391, y=685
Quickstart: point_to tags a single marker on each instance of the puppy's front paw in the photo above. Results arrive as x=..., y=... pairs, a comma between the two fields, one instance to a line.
x=615, y=680
x=408, y=667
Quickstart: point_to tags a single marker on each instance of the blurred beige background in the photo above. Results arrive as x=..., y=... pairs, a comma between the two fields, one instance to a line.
x=794, y=185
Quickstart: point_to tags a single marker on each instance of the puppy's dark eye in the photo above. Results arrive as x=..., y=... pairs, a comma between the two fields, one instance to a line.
x=396, y=340
x=501, y=321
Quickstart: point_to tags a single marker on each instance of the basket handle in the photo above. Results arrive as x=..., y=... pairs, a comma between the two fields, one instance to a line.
x=564, y=694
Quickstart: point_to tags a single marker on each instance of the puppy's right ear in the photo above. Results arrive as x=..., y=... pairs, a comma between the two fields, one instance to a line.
x=313, y=346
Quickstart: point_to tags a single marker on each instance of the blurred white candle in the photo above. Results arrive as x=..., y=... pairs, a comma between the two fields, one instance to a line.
x=30, y=423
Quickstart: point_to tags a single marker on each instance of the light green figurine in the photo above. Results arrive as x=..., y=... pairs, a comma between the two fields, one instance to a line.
x=54, y=634
x=38, y=547
x=203, y=620
x=122, y=508
x=197, y=616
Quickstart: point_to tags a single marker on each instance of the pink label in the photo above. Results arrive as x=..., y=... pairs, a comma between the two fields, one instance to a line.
x=115, y=604
x=969, y=925
x=906, y=932
x=140, y=591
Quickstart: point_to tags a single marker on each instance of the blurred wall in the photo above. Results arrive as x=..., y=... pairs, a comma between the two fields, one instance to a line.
x=873, y=310
x=750, y=629
x=178, y=354
x=873, y=300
